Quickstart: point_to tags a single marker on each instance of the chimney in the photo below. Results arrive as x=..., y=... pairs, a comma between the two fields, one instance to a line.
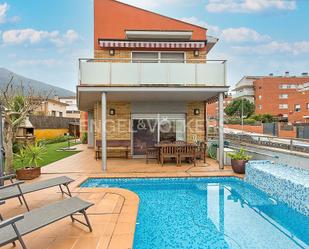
x=287, y=73
x=304, y=74
x=271, y=74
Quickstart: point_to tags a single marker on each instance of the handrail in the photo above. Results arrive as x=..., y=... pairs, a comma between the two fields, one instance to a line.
x=146, y=59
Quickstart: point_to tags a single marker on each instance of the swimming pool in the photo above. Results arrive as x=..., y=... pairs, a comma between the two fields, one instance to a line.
x=198, y=213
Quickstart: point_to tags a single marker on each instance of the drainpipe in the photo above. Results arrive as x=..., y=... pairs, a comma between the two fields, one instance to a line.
x=103, y=130
x=221, y=131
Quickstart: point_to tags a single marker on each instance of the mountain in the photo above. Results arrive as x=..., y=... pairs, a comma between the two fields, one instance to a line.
x=38, y=86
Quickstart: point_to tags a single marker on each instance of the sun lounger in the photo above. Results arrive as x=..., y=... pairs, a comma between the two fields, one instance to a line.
x=14, y=228
x=19, y=189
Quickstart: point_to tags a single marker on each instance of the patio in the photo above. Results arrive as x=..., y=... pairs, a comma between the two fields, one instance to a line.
x=114, y=214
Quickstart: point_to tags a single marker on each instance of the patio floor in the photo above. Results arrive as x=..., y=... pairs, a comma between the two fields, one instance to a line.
x=114, y=214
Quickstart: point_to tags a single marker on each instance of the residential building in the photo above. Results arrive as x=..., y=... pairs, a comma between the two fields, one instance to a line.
x=212, y=110
x=52, y=107
x=284, y=97
x=245, y=89
x=71, y=108
x=276, y=95
x=149, y=79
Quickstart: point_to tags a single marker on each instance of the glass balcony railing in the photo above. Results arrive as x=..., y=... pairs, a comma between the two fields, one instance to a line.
x=115, y=72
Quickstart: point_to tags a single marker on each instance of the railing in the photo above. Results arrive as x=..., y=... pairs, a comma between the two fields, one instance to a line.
x=243, y=93
x=299, y=145
x=152, y=72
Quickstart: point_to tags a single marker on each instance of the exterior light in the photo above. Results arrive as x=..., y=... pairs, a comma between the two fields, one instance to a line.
x=196, y=112
x=196, y=53
x=112, y=112
x=112, y=52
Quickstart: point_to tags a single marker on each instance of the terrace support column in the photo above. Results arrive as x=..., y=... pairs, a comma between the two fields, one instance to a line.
x=221, y=131
x=103, y=130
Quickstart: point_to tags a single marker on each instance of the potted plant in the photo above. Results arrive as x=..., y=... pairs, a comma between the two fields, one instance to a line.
x=30, y=157
x=239, y=160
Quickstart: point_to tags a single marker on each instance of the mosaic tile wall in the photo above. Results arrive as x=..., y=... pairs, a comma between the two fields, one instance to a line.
x=284, y=183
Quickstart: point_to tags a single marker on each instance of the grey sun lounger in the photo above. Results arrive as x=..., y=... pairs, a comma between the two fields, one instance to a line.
x=14, y=228
x=19, y=188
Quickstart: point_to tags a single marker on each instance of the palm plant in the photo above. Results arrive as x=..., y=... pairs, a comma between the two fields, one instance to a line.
x=22, y=157
x=35, y=153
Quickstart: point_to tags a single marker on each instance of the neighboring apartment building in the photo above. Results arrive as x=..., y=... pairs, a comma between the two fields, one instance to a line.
x=280, y=96
x=52, y=107
x=212, y=110
x=71, y=109
x=149, y=79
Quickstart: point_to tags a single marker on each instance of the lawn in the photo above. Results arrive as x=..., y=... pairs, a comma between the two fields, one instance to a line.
x=52, y=155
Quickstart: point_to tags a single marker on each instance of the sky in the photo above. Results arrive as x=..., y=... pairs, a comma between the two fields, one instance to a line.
x=44, y=39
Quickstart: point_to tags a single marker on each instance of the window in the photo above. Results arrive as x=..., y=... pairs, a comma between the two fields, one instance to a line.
x=307, y=106
x=283, y=96
x=155, y=57
x=260, y=107
x=283, y=106
x=260, y=96
x=285, y=115
x=287, y=86
x=53, y=113
x=297, y=108
x=60, y=114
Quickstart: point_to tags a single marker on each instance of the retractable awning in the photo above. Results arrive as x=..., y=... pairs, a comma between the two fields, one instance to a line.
x=151, y=44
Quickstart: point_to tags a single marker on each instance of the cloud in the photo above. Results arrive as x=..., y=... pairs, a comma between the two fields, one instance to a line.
x=212, y=29
x=243, y=34
x=3, y=11
x=3, y=14
x=32, y=36
x=247, y=6
x=275, y=47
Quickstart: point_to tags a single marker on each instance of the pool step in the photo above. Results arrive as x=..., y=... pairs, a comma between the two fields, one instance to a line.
x=282, y=182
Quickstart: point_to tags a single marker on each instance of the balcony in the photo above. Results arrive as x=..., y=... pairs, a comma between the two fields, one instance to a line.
x=244, y=93
x=118, y=72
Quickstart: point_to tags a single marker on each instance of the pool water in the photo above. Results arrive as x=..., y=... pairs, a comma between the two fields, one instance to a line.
x=199, y=213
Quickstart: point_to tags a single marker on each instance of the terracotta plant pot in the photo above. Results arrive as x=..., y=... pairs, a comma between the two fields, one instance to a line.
x=28, y=173
x=239, y=166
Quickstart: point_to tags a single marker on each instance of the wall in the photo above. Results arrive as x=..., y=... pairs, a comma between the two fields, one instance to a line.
x=247, y=128
x=195, y=123
x=49, y=133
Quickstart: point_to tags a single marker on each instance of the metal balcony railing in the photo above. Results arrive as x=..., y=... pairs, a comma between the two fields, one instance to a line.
x=152, y=72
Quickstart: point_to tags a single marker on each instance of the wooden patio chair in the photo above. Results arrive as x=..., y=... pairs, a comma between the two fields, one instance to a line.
x=168, y=151
x=152, y=153
x=201, y=151
x=187, y=151
x=98, y=150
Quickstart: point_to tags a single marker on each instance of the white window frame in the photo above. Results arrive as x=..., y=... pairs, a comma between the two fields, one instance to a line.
x=297, y=107
x=283, y=106
x=281, y=96
x=159, y=54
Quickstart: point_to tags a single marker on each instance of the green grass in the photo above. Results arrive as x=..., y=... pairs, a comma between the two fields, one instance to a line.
x=51, y=155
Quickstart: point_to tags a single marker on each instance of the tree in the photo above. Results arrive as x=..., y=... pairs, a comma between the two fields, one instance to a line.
x=17, y=103
x=234, y=109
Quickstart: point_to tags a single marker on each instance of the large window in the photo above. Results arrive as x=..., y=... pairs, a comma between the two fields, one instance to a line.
x=297, y=108
x=155, y=57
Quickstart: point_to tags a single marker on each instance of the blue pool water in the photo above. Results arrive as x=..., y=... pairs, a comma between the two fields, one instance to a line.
x=197, y=213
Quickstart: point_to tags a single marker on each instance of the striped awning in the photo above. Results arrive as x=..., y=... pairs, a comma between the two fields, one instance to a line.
x=150, y=44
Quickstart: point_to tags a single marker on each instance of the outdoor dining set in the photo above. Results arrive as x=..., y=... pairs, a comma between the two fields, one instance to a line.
x=178, y=151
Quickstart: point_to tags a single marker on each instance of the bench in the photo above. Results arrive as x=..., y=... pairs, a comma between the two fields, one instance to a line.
x=118, y=146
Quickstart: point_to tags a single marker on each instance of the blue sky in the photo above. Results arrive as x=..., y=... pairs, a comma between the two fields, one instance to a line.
x=44, y=39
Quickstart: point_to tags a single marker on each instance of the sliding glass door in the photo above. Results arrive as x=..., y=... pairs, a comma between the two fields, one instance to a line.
x=149, y=129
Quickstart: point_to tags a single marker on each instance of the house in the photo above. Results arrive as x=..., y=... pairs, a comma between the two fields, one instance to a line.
x=149, y=79
x=71, y=108
x=51, y=107
x=280, y=96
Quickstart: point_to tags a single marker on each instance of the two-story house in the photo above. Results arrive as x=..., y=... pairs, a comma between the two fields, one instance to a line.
x=149, y=80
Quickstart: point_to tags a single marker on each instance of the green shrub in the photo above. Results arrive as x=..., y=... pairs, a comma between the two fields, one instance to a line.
x=84, y=138
x=56, y=140
x=239, y=155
